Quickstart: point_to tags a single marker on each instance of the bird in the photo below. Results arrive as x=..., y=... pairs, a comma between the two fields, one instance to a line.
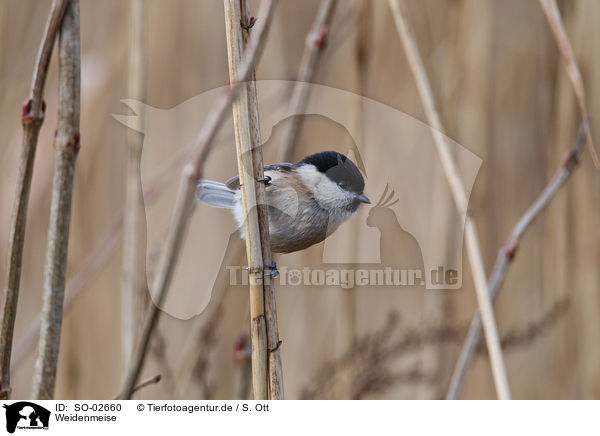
x=307, y=201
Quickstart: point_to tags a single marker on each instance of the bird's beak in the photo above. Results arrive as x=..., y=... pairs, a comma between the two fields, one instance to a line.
x=364, y=199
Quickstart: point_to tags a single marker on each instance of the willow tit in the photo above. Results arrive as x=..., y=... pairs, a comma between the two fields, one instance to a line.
x=307, y=201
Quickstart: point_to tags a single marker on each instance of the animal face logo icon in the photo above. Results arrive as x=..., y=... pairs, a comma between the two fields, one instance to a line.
x=27, y=415
x=395, y=152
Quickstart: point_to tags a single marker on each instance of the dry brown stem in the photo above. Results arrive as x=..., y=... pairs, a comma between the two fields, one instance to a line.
x=266, y=355
x=459, y=195
x=66, y=145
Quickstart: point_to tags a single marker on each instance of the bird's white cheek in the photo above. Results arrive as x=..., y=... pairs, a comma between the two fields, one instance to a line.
x=329, y=195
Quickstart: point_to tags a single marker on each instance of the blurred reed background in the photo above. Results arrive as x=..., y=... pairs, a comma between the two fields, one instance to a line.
x=503, y=93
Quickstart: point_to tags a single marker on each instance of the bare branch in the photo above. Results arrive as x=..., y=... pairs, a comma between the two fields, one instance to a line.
x=566, y=50
x=185, y=197
x=316, y=41
x=32, y=119
x=507, y=254
x=149, y=381
x=460, y=197
x=66, y=145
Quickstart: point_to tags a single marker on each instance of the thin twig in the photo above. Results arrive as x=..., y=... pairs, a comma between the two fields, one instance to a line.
x=185, y=197
x=316, y=41
x=32, y=119
x=66, y=145
x=566, y=50
x=134, y=286
x=149, y=381
x=460, y=198
x=507, y=254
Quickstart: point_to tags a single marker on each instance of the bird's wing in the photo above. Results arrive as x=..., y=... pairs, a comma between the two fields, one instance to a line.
x=234, y=182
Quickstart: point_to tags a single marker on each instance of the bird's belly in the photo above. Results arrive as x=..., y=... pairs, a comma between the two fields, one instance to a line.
x=294, y=225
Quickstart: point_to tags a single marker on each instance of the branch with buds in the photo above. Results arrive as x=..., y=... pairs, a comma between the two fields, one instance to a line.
x=66, y=144
x=32, y=119
x=507, y=254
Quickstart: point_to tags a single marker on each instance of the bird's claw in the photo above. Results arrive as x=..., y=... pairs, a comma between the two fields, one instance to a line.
x=274, y=271
x=266, y=180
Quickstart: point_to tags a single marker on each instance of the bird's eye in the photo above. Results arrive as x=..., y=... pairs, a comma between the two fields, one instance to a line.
x=342, y=185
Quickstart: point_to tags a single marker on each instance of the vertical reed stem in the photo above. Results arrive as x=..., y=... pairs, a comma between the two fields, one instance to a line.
x=265, y=345
x=66, y=145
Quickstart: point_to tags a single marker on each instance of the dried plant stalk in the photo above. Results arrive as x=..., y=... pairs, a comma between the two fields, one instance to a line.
x=185, y=196
x=566, y=50
x=66, y=145
x=32, y=119
x=459, y=195
x=250, y=169
x=134, y=287
x=270, y=306
x=507, y=254
x=316, y=41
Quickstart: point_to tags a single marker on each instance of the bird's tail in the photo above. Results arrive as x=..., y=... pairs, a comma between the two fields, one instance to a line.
x=215, y=194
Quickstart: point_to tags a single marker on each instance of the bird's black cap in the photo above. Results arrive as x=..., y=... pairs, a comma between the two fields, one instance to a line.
x=339, y=169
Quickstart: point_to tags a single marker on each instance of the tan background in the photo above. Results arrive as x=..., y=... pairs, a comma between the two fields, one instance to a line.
x=503, y=94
